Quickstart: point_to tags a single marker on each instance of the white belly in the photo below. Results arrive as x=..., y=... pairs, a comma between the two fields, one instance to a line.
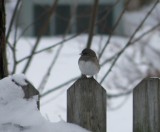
x=88, y=68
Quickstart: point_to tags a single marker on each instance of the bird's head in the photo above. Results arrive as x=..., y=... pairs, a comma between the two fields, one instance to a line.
x=88, y=52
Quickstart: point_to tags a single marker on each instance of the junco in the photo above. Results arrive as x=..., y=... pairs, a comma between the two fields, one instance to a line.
x=88, y=63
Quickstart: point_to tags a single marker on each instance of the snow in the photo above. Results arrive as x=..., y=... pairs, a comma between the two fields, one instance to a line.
x=141, y=59
x=20, y=79
x=21, y=115
x=125, y=74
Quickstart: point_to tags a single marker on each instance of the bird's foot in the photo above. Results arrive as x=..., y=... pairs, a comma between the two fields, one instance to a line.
x=91, y=77
x=83, y=76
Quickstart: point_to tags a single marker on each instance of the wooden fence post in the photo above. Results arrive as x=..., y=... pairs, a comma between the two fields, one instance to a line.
x=146, y=106
x=30, y=91
x=86, y=104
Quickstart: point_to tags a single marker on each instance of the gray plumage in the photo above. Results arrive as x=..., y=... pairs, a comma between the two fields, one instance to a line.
x=88, y=62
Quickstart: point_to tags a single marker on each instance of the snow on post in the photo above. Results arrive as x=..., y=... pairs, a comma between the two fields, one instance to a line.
x=86, y=104
x=146, y=106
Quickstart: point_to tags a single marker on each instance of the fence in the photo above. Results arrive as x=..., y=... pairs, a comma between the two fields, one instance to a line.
x=86, y=105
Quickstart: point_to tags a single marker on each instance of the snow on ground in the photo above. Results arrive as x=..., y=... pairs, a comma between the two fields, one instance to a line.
x=21, y=115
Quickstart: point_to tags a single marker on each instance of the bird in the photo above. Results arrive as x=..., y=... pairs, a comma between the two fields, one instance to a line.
x=88, y=63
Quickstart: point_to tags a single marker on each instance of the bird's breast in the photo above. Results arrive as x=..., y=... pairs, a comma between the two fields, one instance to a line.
x=88, y=67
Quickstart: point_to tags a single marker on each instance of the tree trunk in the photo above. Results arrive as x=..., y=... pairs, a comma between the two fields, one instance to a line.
x=3, y=60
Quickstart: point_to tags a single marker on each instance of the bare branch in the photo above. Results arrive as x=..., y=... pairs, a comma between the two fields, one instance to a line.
x=12, y=20
x=129, y=42
x=65, y=40
x=14, y=45
x=33, y=23
x=58, y=87
x=134, y=41
x=92, y=23
x=108, y=59
x=119, y=94
x=51, y=11
x=53, y=46
x=46, y=76
x=114, y=27
x=119, y=105
x=147, y=32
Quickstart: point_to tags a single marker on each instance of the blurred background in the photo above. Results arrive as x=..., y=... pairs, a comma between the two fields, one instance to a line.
x=45, y=37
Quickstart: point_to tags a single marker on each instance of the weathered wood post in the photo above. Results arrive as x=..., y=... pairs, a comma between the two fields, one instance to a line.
x=146, y=106
x=29, y=91
x=86, y=104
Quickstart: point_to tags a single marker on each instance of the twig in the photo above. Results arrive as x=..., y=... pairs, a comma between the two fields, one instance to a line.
x=65, y=40
x=142, y=35
x=58, y=87
x=53, y=46
x=92, y=23
x=108, y=59
x=129, y=42
x=12, y=20
x=134, y=41
x=46, y=76
x=114, y=27
x=34, y=22
x=119, y=94
x=118, y=106
x=14, y=46
x=52, y=9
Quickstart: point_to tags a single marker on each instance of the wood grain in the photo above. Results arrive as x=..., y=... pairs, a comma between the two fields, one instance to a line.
x=30, y=91
x=86, y=104
x=146, y=106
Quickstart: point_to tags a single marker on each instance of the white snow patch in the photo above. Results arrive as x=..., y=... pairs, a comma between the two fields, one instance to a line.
x=20, y=79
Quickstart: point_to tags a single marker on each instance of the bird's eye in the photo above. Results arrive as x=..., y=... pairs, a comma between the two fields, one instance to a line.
x=84, y=53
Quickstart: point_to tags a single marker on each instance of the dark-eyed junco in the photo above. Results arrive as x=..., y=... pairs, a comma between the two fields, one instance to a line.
x=88, y=63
